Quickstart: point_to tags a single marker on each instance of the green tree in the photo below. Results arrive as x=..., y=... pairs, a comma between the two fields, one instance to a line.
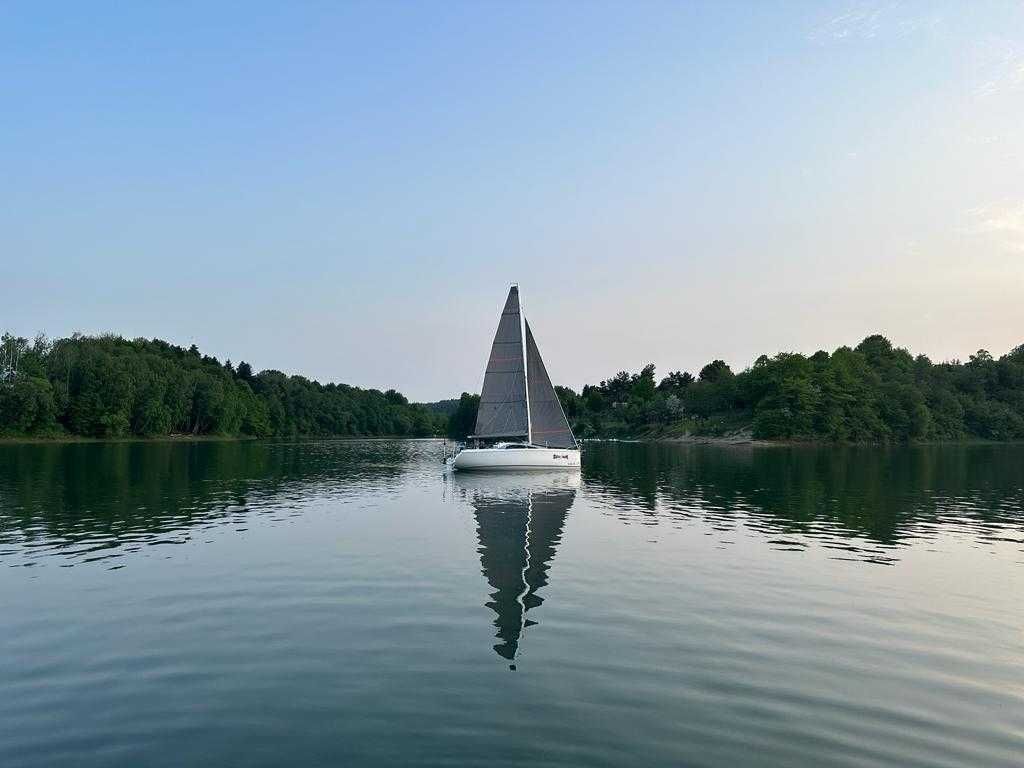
x=27, y=406
x=462, y=422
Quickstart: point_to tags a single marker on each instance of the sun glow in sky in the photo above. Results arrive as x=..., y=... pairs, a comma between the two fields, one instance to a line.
x=346, y=190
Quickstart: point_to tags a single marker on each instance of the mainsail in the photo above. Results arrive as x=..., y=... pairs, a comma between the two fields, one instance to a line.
x=502, y=411
x=517, y=399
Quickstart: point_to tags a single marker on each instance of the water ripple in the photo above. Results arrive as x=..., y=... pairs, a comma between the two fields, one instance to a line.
x=341, y=602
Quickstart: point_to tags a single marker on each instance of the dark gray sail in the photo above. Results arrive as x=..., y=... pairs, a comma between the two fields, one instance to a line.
x=548, y=425
x=502, y=410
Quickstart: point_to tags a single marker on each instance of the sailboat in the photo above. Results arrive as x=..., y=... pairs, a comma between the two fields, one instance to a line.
x=520, y=423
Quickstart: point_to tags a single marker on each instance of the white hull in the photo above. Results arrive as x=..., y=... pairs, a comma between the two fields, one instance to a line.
x=479, y=459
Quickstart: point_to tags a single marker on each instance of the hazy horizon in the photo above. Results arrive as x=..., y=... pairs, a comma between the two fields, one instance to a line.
x=346, y=192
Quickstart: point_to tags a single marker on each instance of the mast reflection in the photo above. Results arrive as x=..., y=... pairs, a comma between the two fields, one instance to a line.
x=519, y=523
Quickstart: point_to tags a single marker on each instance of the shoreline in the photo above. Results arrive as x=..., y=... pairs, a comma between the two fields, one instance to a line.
x=741, y=439
x=747, y=441
x=65, y=439
x=68, y=439
x=725, y=440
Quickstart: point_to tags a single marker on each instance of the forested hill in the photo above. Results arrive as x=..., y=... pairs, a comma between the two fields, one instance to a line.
x=107, y=386
x=872, y=393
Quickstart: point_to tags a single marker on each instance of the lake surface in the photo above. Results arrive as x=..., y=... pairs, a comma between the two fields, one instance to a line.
x=344, y=603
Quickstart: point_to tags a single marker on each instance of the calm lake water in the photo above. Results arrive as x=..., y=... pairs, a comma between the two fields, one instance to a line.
x=343, y=603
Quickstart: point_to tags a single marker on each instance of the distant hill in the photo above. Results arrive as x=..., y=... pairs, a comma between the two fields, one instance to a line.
x=442, y=407
x=107, y=386
x=872, y=393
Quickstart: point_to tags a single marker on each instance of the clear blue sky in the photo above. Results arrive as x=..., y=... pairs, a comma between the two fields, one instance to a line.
x=346, y=190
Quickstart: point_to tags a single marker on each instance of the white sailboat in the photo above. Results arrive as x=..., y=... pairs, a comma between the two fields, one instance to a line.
x=520, y=423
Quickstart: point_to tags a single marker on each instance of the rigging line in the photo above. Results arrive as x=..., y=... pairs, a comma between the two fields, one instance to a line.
x=526, y=366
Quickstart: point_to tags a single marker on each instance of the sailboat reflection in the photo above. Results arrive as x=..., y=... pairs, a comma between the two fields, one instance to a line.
x=519, y=521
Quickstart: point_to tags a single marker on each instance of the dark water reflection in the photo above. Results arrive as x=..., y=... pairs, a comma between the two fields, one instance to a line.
x=882, y=496
x=81, y=500
x=89, y=502
x=519, y=521
x=332, y=602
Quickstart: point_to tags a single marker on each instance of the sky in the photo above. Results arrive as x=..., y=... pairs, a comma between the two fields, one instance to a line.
x=346, y=190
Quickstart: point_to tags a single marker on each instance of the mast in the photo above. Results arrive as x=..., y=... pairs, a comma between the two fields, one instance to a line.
x=525, y=576
x=526, y=369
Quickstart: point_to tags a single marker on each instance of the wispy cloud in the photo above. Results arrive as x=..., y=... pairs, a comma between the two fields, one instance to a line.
x=1002, y=223
x=868, y=20
x=859, y=21
x=1000, y=65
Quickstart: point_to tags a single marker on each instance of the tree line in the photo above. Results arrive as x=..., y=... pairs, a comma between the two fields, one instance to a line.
x=874, y=392
x=108, y=386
